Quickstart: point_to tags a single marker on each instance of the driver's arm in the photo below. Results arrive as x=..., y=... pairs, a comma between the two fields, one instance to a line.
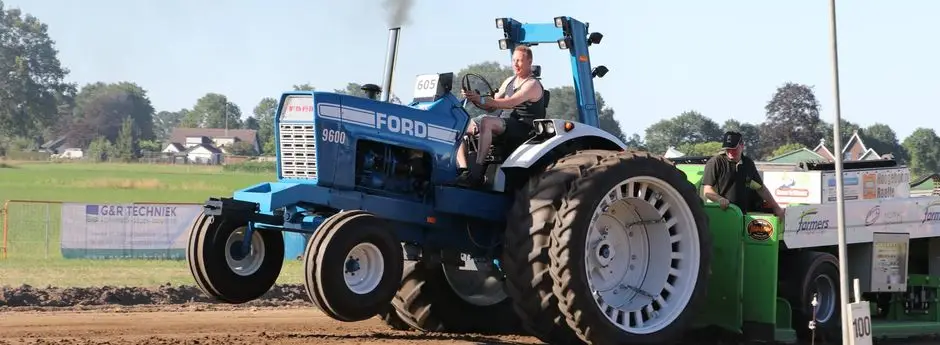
x=501, y=93
x=528, y=91
x=710, y=179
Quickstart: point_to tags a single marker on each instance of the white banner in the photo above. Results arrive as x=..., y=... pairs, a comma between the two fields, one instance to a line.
x=800, y=187
x=815, y=225
x=156, y=231
x=868, y=184
x=817, y=187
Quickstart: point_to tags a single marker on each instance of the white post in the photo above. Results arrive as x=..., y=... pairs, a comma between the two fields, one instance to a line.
x=840, y=197
x=857, y=289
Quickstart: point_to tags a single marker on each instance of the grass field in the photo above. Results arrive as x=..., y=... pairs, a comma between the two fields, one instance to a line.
x=34, y=257
x=33, y=254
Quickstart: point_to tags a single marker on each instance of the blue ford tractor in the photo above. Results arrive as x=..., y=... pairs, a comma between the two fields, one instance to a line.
x=572, y=238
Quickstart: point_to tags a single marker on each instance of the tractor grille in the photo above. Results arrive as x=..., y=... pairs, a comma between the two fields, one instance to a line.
x=298, y=151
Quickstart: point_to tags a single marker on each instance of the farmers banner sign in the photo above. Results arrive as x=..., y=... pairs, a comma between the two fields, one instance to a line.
x=123, y=231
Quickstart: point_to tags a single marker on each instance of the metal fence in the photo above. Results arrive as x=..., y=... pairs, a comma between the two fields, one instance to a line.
x=38, y=229
x=30, y=228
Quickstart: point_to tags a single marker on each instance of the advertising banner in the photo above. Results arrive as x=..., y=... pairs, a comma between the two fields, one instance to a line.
x=800, y=187
x=816, y=225
x=123, y=231
x=869, y=184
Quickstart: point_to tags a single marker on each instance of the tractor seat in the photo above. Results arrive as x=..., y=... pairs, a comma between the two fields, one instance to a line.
x=503, y=146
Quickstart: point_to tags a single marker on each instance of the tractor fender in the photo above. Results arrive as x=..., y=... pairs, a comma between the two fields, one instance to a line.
x=529, y=153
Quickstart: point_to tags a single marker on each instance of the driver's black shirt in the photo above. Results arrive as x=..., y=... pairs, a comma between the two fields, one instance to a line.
x=526, y=111
x=731, y=179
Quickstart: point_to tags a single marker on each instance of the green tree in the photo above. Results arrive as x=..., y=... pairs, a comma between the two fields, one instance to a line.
x=165, y=121
x=493, y=72
x=786, y=148
x=700, y=149
x=881, y=138
x=635, y=142
x=923, y=146
x=99, y=150
x=213, y=111
x=563, y=105
x=792, y=117
x=126, y=147
x=352, y=89
x=32, y=83
x=264, y=112
x=304, y=87
x=242, y=148
x=824, y=130
x=101, y=108
x=690, y=127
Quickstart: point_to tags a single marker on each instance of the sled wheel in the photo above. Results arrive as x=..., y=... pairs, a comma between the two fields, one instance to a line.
x=353, y=266
x=528, y=239
x=631, y=250
x=804, y=274
x=427, y=302
x=220, y=268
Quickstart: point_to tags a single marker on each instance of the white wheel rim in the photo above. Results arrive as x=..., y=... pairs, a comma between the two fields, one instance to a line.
x=244, y=265
x=825, y=290
x=477, y=285
x=642, y=276
x=363, y=268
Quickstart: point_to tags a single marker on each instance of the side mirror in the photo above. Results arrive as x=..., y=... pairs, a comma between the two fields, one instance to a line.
x=537, y=71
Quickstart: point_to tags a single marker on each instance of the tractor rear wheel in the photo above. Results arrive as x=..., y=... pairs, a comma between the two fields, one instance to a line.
x=631, y=250
x=219, y=266
x=528, y=239
x=352, y=266
x=428, y=302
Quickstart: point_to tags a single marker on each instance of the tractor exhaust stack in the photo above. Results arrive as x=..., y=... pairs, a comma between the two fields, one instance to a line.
x=390, y=57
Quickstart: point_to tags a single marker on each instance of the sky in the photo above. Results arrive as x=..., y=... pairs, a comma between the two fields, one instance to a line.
x=724, y=58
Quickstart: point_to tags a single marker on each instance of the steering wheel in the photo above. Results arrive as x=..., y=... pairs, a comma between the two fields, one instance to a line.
x=465, y=85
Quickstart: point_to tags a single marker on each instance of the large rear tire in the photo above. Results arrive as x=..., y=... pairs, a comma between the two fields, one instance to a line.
x=528, y=239
x=630, y=250
x=220, y=268
x=428, y=303
x=352, y=266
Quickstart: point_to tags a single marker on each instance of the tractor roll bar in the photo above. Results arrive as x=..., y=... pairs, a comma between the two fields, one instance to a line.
x=390, y=57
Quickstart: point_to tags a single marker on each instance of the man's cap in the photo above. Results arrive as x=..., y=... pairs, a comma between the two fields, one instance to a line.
x=730, y=140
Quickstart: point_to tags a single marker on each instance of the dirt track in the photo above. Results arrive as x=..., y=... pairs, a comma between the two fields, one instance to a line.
x=182, y=315
x=183, y=325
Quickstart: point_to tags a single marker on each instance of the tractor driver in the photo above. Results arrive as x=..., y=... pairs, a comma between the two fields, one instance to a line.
x=520, y=102
x=730, y=177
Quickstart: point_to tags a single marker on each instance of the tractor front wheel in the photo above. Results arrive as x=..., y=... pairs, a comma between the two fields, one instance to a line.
x=630, y=250
x=352, y=266
x=221, y=267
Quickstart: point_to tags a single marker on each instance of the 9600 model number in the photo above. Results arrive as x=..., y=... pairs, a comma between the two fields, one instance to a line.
x=334, y=136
